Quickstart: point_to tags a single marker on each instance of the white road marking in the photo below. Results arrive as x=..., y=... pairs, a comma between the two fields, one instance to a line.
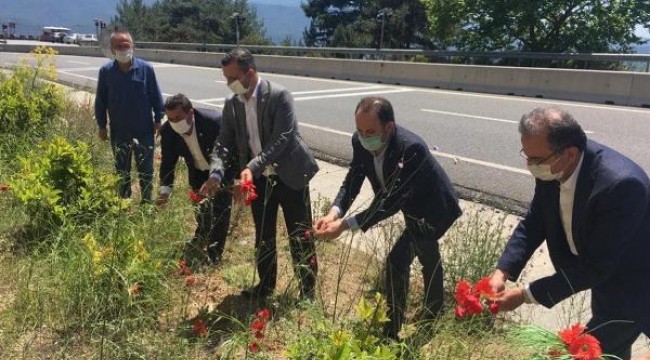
x=351, y=94
x=77, y=75
x=78, y=62
x=456, y=158
x=220, y=81
x=478, y=117
x=338, y=90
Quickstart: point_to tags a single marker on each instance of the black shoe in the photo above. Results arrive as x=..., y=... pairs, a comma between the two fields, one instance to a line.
x=256, y=292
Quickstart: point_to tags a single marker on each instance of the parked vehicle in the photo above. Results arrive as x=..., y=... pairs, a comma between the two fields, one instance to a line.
x=53, y=33
x=71, y=38
x=87, y=40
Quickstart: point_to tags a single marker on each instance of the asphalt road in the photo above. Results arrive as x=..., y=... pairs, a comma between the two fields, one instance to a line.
x=474, y=136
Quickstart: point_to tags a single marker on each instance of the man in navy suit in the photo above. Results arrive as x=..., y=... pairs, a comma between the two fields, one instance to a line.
x=592, y=206
x=191, y=133
x=404, y=176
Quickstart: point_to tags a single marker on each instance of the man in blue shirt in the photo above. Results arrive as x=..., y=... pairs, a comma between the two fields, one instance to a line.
x=127, y=89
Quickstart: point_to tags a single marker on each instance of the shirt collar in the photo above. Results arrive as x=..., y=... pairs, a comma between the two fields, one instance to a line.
x=570, y=183
x=134, y=63
x=242, y=97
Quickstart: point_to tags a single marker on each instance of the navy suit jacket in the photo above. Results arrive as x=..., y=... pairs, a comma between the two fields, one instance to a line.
x=207, y=124
x=415, y=184
x=611, y=231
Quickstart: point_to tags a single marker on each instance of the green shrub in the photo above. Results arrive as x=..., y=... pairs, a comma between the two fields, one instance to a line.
x=28, y=104
x=57, y=182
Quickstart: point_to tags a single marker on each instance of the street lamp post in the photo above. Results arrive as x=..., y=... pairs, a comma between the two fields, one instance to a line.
x=99, y=24
x=239, y=20
x=382, y=15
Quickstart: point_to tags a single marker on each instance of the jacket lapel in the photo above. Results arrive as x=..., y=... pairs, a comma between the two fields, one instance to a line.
x=584, y=186
x=263, y=92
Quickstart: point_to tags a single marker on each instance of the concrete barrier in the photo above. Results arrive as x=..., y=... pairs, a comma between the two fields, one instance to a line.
x=610, y=87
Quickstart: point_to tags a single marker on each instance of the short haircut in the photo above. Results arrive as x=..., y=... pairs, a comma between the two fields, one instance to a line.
x=379, y=106
x=117, y=33
x=243, y=57
x=561, y=129
x=177, y=100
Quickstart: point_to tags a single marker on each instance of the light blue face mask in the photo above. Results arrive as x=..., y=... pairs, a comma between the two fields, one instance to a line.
x=371, y=143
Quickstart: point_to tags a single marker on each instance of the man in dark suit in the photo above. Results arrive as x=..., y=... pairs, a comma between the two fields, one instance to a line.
x=191, y=133
x=404, y=176
x=260, y=130
x=592, y=206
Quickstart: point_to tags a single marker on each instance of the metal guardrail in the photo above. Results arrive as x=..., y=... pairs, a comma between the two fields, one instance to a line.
x=633, y=62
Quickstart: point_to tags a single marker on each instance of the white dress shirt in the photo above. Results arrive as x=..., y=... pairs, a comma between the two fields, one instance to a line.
x=200, y=163
x=250, y=105
x=567, y=194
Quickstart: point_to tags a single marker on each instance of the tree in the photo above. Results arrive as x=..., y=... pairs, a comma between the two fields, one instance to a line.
x=200, y=21
x=355, y=23
x=537, y=25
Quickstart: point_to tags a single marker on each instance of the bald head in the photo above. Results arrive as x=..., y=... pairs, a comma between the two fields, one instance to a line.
x=561, y=129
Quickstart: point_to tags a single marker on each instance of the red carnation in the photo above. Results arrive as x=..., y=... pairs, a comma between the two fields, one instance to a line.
x=263, y=314
x=4, y=187
x=585, y=347
x=199, y=327
x=194, y=197
x=253, y=347
x=190, y=280
x=494, y=308
x=460, y=311
x=568, y=335
x=463, y=289
x=484, y=288
x=183, y=269
x=257, y=325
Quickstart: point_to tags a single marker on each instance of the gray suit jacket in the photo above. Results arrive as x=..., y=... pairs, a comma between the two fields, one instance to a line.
x=282, y=146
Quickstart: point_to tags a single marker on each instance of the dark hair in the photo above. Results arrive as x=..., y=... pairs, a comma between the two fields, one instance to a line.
x=173, y=102
x=243, y=57
x=562, y=130
x=379, y=106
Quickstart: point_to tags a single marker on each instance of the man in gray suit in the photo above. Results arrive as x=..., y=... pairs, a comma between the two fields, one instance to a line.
x=259, y=130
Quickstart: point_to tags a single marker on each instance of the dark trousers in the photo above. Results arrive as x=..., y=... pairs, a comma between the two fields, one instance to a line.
x=615, y=332
x=123, y=150
x=212, y=224
x=421, y=241
x=296, y=206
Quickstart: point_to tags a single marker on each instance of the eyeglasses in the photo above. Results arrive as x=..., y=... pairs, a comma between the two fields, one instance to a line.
x=536, y=161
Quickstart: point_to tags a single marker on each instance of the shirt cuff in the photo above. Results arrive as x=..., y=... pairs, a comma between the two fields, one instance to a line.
x=165, y=190
x=528, y=296
x=216, y=175
x=352, y=223
x=338, y=210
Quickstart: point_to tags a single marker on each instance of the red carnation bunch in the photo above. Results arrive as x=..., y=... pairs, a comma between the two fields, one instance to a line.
x=581, y=346
x=570, y=343
x=473, y=299
x=258, y=325
x=248, y=189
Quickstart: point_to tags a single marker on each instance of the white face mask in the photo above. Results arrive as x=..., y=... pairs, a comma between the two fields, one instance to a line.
x=543, y=171
x=124, y=57
x=237, y=87
x=181, y=127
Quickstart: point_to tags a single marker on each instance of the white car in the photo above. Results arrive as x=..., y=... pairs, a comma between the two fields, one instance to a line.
x=71, y=38
x=88, y=40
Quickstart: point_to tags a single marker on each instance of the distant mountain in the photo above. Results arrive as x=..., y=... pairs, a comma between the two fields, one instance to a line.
x=282, y=21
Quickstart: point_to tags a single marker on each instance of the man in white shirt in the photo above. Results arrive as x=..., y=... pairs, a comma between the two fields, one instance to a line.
x=191, y=133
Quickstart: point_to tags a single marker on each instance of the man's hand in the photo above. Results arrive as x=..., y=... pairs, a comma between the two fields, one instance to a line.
x=156, y=129
x=498, y=280
x=246, y=175
x=332, y=230
x=103, y=134
x=210, y=187
x=162, y=200
x=510, y=299
x=326, y=220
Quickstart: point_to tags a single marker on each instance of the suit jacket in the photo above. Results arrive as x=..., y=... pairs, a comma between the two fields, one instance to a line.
x=611, y=231
x=416, y=184
x=207, y=125
x=282, y=146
